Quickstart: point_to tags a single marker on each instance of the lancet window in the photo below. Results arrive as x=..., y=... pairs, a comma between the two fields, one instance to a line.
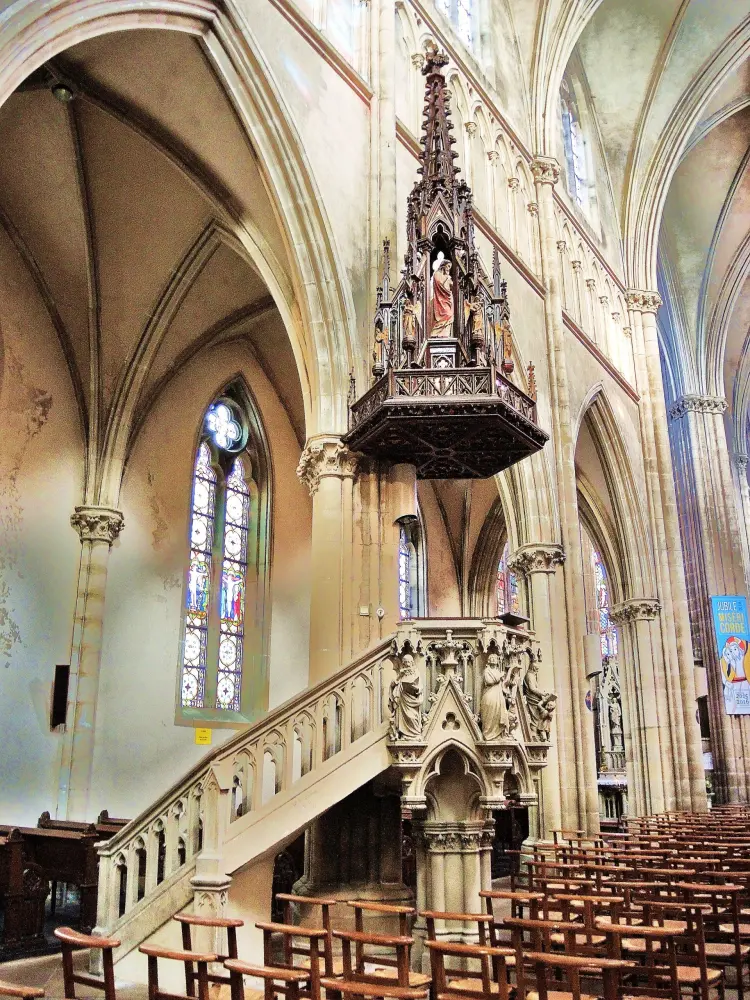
x=461, y=15
x=410, y=571
x=607, y=630
x=574, y=145
x=507, y=586
x=223, y=567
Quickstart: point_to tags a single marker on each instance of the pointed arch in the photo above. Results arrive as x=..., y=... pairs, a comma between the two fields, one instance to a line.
x=318, y=307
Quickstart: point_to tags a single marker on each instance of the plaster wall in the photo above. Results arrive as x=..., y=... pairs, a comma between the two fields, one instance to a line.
x=41, y=472
x=146, y=584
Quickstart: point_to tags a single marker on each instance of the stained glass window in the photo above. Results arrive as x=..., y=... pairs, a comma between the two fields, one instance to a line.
x=233, y=575
x=506, y=589
x=195, y=643
x=574, y=145
x=404, y=574
x=607, y=630
x=215, y=628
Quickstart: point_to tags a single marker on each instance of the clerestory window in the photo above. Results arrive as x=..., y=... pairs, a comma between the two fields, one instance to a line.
x=506, y=588
x=461, y=15
x=574, y=145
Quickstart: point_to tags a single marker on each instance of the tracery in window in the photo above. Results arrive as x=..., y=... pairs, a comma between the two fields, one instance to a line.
x=460, y=14
x=224, y=594
x=404, y=574
x=506, y=589
x=574, y=145
x=411, y=573
x=607, y=630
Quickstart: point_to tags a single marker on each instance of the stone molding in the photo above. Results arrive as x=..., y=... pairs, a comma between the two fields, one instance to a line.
x=97, y=524
x=325, y=457
x=636, y=609
x=642, y=301
x=546, y=170
x=695, y=403
x=537, y=558
x=451, y=839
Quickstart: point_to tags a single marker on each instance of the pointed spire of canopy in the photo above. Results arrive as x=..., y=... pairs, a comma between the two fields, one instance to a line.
x=436, y=160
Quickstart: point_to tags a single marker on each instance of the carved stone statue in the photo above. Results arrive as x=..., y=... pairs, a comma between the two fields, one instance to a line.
x=405, y=701
x=493, y=710
x=540, y=704
x=442, y=298
x=409, y=326
x=615, y=724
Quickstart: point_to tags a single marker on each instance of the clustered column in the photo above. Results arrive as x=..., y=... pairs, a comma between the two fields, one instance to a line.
x=712, y=534
x=577, y=745
x=98, y=527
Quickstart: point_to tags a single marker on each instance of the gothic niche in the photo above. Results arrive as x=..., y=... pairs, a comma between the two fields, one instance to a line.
x=442, y=398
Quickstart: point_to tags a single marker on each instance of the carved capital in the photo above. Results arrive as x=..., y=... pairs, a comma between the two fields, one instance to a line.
x=562, y=246
x=325, y=457
x=642, y=301
x=576, y=265
x=694, y=403
x=636, y=609
x=537, y=558
x=604, y=300
x=591, y=284
x=471, y=128
x=97, y=524
x=514, y=183
x=533, y=209
x=546, y=170
x=417, y=60
x=493, y=156
x=616, y=317
x=627, y=331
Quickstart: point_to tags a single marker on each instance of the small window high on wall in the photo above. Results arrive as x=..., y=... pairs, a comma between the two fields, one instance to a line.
x=461, y=15
x=506, y=588
x=607, y=630
x=223, y=630
x=411, y=573
x=574, y=146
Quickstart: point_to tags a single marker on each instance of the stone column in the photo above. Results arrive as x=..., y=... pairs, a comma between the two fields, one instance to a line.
x=538, y=564
x=455, y=856
x=98, y=527
x=645, y=731
x=577, y=756
x=740, y=463
x=679, y=685
x=714, y=549
x=327, y=467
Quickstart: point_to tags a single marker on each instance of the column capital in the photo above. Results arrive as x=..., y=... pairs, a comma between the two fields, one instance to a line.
x=642, y=301
x=471, y=128
x=97, y=524
x=562, y=246
x=325, y=456
x=417, y=60
x=493, y=156
x=537, y=557
x=695, y=403
x=533, y=208
x=577, y=265
x=591, y=284
x=546, y=170
x=636, y=609
x=514, y=183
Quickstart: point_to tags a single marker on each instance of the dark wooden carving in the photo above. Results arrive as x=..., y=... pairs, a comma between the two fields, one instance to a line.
x=442, y=396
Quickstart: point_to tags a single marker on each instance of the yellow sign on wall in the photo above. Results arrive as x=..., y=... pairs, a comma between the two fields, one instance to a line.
x=203, y=737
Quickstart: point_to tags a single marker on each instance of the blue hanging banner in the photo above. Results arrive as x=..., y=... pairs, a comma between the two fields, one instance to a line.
x=733, y=643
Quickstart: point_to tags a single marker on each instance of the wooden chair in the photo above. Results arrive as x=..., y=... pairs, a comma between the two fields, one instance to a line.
x=190, y=920
x=71, y=940
x=519, y=899
x=490, y=980
x=693, y=972
x=200, y=959
x=379, y=958
x=290, y=980
x=380, y=991
x=22, y=992
x=384, y=961
x=332, y=966
x=290, y=934
x=724, y=945
x=537, y=972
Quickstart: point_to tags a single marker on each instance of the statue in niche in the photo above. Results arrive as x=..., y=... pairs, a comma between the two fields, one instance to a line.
x=405, y=701
x=442, y=297
x=493, y=710
x=615, y=723
x=409, y=326
x=540, y=704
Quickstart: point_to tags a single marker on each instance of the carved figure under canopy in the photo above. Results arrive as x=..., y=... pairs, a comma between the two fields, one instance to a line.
x=540, y=704
x=493, y=710
x=405, y=701
x=442, y=298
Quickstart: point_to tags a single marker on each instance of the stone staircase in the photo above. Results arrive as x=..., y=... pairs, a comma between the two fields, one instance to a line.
x=244, y=799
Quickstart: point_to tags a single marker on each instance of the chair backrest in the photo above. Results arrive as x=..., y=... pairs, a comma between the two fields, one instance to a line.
x=544, y=973
x=492, y=968
x=325, y=904
x=290, y=934
x=481, y=923
x=360, y=951
x=659, y=959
